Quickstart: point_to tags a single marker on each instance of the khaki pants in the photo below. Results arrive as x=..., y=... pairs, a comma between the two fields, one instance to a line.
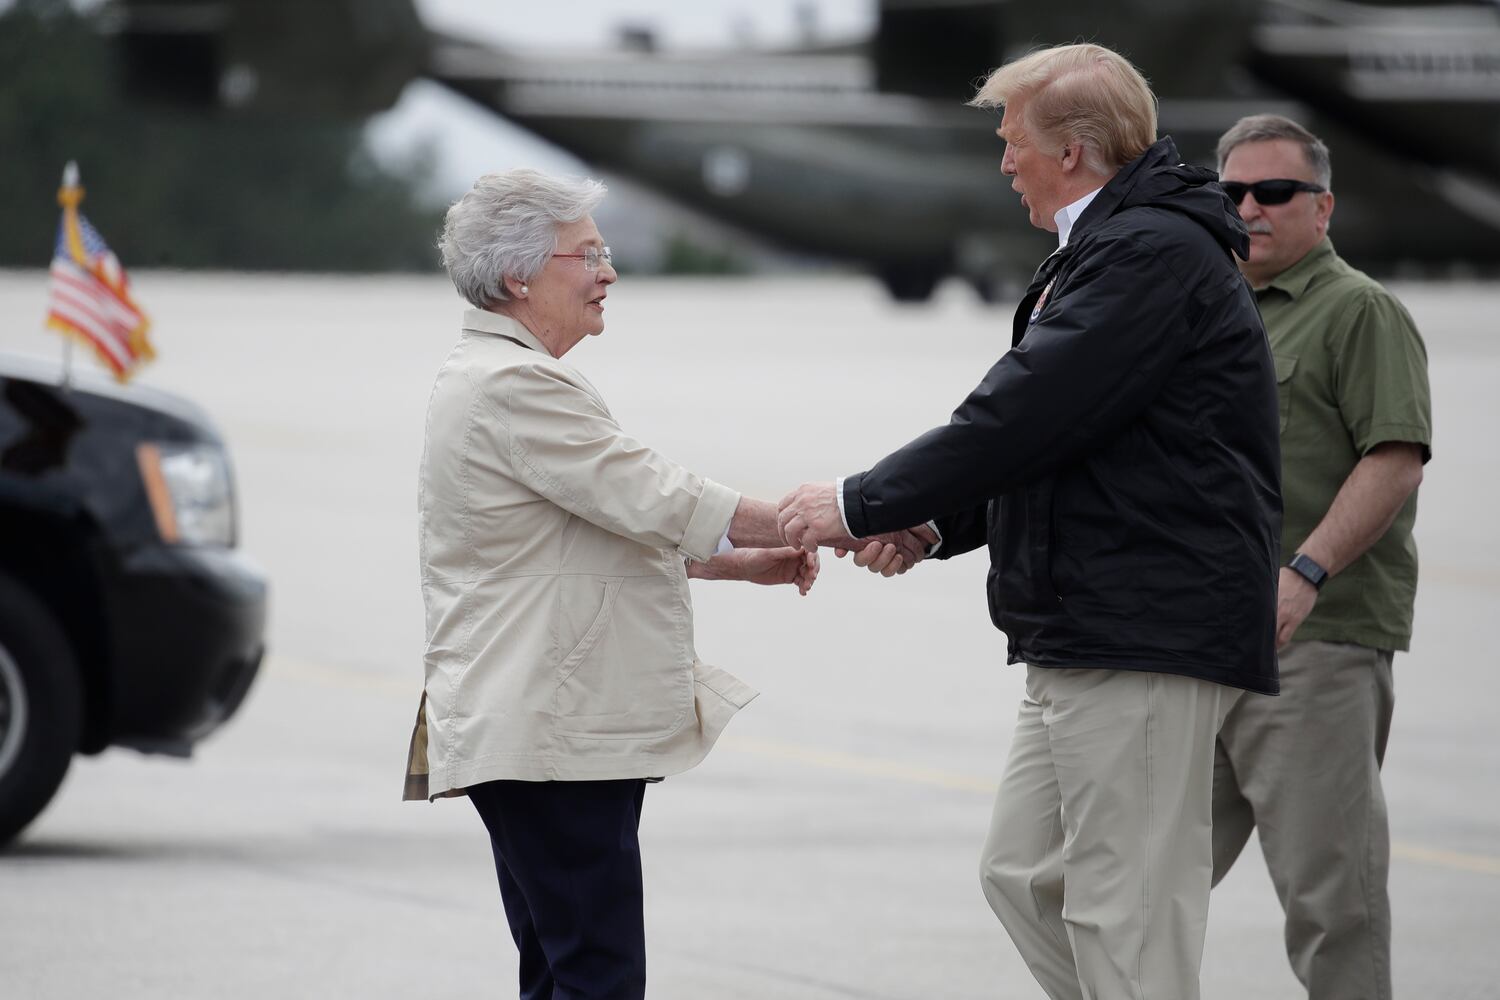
x=1305, y=769
x=1099, y=855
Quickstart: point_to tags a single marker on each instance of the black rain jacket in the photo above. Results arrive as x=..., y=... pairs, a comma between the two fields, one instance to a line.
x=1122, y=459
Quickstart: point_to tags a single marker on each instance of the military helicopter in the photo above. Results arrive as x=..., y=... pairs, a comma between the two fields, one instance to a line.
x=866, y=152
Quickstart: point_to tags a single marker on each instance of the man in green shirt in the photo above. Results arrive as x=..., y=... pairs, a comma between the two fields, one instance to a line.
x=1356, y=429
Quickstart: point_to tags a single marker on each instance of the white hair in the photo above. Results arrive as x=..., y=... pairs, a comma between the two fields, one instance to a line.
x=506, y=227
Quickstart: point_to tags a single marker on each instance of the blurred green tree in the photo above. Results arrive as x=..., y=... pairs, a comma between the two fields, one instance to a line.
x=681, y=254
x=177, y=188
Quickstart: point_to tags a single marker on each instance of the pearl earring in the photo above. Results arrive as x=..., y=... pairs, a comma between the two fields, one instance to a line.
x=524, y=289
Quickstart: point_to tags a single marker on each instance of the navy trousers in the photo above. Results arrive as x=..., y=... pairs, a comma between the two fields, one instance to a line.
x=569, y=864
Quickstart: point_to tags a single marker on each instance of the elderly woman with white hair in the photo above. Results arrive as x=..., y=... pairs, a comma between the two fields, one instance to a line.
x=555, y=552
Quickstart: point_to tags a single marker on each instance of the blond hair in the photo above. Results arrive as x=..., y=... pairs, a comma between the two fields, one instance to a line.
x=1079, y=93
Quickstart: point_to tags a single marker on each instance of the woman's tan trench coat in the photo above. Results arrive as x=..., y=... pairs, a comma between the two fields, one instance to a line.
x=559, y=623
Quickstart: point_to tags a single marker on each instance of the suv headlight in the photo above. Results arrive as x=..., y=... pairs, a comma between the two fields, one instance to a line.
x=190, y=492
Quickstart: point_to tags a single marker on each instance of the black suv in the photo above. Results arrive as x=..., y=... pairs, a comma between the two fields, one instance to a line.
x=127, y=617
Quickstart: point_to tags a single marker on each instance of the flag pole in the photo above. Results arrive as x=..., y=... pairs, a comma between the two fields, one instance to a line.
x=90, y=299
x=68, y=196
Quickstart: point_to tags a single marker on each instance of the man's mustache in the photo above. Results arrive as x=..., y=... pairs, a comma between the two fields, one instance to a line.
x=1259, y=226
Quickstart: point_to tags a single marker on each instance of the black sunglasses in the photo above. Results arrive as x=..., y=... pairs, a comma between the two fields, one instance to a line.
x=1272, y=192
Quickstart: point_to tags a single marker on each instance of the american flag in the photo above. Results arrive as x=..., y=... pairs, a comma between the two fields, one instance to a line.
x=90, y=295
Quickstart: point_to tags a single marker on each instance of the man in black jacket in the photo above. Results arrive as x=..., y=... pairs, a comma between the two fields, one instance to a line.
x=1121, y=462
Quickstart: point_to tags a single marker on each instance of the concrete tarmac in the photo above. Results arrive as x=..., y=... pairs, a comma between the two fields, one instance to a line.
x=828, y=848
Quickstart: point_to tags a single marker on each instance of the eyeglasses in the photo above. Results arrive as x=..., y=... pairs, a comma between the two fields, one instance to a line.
x=592, y=257
x=1272, y=192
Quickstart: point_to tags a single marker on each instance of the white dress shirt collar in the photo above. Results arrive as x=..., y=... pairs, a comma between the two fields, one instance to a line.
x=1066, y=216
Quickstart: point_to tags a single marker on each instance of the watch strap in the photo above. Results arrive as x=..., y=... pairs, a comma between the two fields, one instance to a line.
x=1308, y=568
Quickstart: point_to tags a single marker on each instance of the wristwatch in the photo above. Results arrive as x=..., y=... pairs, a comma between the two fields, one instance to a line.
x=1309, y=570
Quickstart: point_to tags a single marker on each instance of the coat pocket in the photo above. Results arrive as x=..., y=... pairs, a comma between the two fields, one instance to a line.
x=634, y=679
x=590, y=637
x=1020, y=554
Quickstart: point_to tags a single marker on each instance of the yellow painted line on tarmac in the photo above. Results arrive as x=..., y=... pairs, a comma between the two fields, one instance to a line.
x=873, y=767
x=345, y=677
x=831, y=760
x=1456, y=860
x=896, y=770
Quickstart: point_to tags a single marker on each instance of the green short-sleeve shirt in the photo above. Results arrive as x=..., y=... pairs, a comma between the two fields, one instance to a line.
x=1351, y=373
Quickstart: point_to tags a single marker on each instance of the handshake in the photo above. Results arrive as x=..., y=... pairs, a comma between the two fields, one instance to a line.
x=809, y=517
x=774, y=546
